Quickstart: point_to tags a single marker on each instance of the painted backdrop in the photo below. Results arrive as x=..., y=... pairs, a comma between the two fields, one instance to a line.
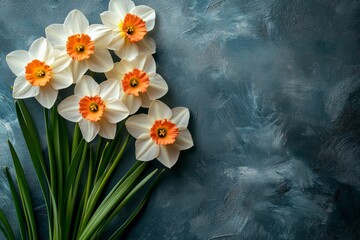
x=274, y=93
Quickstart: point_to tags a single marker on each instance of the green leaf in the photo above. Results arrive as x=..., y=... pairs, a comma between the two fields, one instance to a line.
x=108, y=155
x=106, y=206
x=73, y=169
x=24, y=194
x=100, y=184
x=32, y=142
x=19, y=209
x=73, y=196
x=128, y=197
x=3, y=230
x=8, y=232
x=76, y=139
x=137, y=210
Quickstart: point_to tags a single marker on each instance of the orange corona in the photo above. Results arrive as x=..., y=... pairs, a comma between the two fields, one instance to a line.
x=91, y=108
x=133, y=28
x=80, y=46
x=37, y=73
x=135, y=82
x=164, y=132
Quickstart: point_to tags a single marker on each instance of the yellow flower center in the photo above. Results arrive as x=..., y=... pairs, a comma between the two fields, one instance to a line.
x=80, y=46
x=164, y=132
x=135, y=82
x=92, y=108
x=133, y=28
x=37, y=73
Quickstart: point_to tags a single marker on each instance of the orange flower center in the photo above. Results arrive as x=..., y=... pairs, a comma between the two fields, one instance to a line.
x=80, y=46
x=38, y=73
x=133, y=28
x=164, y=132
x=135, y=82
x=92, y=108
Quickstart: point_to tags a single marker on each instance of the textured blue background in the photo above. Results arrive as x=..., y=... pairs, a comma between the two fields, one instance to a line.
x=274, y=93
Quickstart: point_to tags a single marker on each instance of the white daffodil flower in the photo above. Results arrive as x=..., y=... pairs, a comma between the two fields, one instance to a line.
x=161, y=134
x=96, y=107
x=40, y=72
x=139, y=82
x=130, y=25
x=86, y=46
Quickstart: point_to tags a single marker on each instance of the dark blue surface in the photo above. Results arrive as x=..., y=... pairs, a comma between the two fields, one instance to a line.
x=274, y=93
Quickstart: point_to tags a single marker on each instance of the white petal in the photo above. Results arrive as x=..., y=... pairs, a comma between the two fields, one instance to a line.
x=138, y=124
x=57, y=34
x=145, y=62
x=169, y=155
x=132, y=102
x=121, y=7
x=77, y=22
x=180, y=117
x=157, y=87
x=110, y=89
x=145, y=13
x=17, y=61
x=62, y=61
x=100, y=61
x=89, y=129
x=69, y=108
x=184, y=140
x=159, y=110
x=23, y=89
x=146, y=149
x=115, y=111
x=145, y=100
x=128, y=50
x=107, y=130
x=117, y=72
x=101, y=35
x=124, y=66
x=61, y=79
x=47, y=96
x=87, y=87
x=78, y=69
x=147, y=46
x=110, y=19
x=117, y=41
x=42, y=50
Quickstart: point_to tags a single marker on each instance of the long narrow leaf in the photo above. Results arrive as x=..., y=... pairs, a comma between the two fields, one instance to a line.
x=137, y=210
x=19, y=209
x=100, y=185
x=24, y=115
x=128, y=197
x=24, y=193
x=73, y=197
x=7, y=227
x=32, y=143
x=71, y=175
x=108, y=154
x=3, y=230
x=76, y=139
x=109, y=203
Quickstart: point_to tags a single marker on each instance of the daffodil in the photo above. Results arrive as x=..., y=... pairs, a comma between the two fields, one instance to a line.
x=130, y=25
x=161, y=134
x=40, y=72
x=85, y=45
x=96, y=107
x=139, y=82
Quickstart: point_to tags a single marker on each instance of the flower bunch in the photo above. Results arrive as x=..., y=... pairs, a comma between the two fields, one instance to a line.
x=72, y=48
x=70, y=54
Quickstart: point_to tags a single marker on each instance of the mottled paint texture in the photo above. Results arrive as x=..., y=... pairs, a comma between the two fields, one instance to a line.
x=274, y=93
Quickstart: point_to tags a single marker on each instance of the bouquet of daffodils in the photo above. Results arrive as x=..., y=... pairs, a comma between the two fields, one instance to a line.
x=74, y=170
